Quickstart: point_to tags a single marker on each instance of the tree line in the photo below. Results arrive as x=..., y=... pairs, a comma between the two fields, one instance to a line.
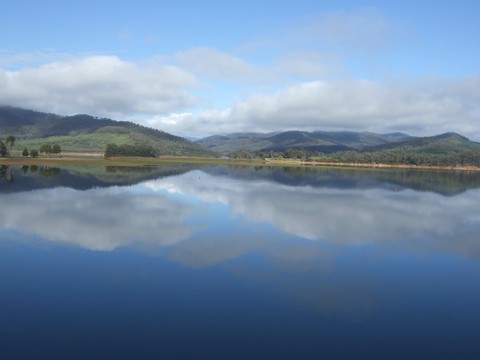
x=129, y=150
x=6, y=148
x=389, y=157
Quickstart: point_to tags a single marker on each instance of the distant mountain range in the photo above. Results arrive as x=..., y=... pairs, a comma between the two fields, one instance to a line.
x=322, y=141
x=87, y=133
x=334, y=141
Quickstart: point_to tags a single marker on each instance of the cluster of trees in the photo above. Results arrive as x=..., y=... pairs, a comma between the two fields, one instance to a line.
x=32, y=153
x=408, y=157
x=6, y=147
x=291, y=153
x=391, y=157
x=50, y=149
x=129, y=150
x=44, y=149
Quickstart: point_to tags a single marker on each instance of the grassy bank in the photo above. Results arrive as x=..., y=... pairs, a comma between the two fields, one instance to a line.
x=97, y=159
x=79, y=159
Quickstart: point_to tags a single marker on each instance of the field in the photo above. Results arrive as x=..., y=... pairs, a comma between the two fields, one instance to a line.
x=97, y=159
x=80, y=143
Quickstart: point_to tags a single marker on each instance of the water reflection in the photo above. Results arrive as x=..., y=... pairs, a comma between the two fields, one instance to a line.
x=419, y=220
x=6, y=173
x=162, y=211
x=26, y=178
x=441, y=182
x=242, y=253
x=97, y=219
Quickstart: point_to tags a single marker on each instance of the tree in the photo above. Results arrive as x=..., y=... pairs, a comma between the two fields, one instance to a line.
x=25, y=152
x=111, y=150
x=3, y=149
x=259, y=154
x=56, y=149
x=10, y=142
x=46, y=149
x=34, y=153
x=289, y=153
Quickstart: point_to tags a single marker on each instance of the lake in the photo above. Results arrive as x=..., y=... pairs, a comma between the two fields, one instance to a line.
x=218, y=262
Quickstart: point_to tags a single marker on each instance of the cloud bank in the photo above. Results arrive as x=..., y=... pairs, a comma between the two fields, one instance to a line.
x=426, y=108
x=163, y=96
x=98, y=85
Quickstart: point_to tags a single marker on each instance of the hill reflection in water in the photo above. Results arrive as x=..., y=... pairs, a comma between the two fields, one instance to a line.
x=315, y=256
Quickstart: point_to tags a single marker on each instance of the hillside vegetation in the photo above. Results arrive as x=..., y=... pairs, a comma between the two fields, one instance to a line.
x=85, y=133
x=317, y=141
x=449, y=149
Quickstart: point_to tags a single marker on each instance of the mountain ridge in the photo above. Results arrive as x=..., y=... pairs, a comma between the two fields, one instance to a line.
x=321, y=141
x=88, y=133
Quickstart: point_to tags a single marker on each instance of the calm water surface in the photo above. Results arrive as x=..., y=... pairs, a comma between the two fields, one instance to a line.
x=220, y=262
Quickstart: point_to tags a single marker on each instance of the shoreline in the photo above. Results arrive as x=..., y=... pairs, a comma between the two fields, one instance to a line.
x=386, y=166
x=97, y=159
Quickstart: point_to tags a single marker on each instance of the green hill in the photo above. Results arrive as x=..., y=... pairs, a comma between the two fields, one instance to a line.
x=449, y=149
x=317, y=141
x=85, y=133
x=439, y=144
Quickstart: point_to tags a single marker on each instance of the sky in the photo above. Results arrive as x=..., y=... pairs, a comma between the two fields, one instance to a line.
x=199, y=68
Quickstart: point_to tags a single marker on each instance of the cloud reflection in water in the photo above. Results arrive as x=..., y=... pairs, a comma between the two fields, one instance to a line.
x=158, y=212
x=303, y=230
x=418, y=220
x=97, y=219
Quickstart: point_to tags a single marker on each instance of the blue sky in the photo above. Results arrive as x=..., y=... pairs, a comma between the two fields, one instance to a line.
x=199, y=68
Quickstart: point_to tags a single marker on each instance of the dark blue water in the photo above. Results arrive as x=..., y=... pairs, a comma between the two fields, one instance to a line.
x=239, y=263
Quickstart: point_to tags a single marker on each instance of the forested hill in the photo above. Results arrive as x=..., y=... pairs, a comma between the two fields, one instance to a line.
x=316, y=141
x=449, y=149
x=337, y=141
x=87, y=133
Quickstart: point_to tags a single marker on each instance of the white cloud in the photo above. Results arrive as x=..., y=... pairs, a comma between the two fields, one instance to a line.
x=156, y=94
x=357, y=32
x=99, y=85
x=206, y=123
x=217, y=64
x=365, y=29
x=418, y=108
x=303, y=64
x=224, y=66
